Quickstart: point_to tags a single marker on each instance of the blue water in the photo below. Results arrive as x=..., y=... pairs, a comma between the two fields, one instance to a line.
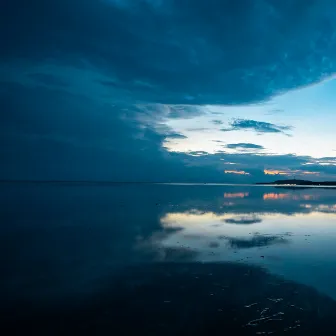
x=167, y=259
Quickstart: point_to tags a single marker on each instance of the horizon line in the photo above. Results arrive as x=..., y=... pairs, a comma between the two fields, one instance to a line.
x=147, y=182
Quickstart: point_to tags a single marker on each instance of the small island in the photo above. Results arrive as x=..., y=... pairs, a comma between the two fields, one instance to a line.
x=295, y=182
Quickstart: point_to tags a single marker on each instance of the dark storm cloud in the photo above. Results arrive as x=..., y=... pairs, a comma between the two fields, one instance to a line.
x=244, y=146
x=53, y=134
x=87, y=85
x=257, y=126
x=57, y=135
x=183, y=52
x=48, y=79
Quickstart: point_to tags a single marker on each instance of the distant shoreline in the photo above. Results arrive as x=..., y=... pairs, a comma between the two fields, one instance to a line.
x=294, y=182
x=288, y=184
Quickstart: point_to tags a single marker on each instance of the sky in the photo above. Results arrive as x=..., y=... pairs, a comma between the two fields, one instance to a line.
x=168, y=91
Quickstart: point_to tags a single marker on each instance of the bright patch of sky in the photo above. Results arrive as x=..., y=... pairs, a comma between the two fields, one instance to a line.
x=310, y=112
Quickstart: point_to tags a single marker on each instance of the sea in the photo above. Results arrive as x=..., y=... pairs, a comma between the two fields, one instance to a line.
x=166, y=259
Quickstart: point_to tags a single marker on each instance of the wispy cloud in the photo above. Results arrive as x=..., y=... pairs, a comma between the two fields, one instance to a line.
x=217, y=122
x=198, y=129
x=243, y=220
x=236, y=172
x=176, y=136
x=198, y=153
x=243, y=145
x=257, y=126
x=289, y=172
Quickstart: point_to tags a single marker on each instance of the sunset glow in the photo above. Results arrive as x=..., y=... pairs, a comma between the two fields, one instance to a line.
x=289, y=172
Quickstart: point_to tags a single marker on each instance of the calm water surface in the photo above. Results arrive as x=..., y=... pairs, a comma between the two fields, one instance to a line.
x=167, y=259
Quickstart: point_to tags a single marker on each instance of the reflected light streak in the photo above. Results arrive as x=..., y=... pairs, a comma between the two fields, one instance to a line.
x=274, y=196
x=236, y=195
x=282, y=196
x=326, y=208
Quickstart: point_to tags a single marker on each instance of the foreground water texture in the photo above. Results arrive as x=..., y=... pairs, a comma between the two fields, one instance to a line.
x=148, y=259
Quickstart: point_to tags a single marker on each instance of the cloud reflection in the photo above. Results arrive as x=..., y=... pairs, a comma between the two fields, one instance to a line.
x=255, y=241
x=288, y=196
x=236, y=195
x=259, y=218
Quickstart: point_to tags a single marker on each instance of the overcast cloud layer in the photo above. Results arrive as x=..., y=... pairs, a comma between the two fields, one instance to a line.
x=88, y=88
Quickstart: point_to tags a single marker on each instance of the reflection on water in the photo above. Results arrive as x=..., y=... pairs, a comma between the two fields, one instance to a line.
x=236, y=195
x=290, y=233
x=149, y=253
x=277, y=196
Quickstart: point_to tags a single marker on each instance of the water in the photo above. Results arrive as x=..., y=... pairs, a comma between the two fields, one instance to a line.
x=167, y=259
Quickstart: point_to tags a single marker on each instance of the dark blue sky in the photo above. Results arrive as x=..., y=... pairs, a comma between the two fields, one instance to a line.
x=167, y=90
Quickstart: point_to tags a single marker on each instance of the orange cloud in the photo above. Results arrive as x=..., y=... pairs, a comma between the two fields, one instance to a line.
x=289, y=172
x=238, y=172
x=275, y=172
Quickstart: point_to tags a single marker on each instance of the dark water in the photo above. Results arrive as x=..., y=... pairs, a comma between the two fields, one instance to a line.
x=167, y=260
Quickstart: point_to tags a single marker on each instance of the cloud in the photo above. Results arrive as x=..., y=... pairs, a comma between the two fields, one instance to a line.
x=243, y=220
x=173, y=46
x=198, y=153
x=197, y=129
x=55, y=134
x=89, y=98
x=244, y=146
x=172, y=111
x=275, y=111
x=183, y=111
x=236, y=172
x=173, y=135
x=257, y=126
x=324, y=161
x=217, y=122
x=289, y=172
x=48, y=79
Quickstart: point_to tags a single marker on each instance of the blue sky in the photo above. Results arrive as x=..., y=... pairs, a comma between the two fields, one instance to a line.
x=165, y=90
x=298, y=123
